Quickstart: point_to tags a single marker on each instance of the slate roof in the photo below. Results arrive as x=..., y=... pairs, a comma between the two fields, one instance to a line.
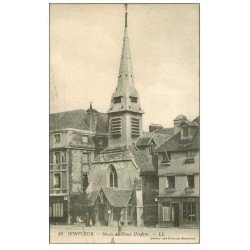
x=158, y=138
x=116, y=197
x=169, y=131
x=143, y=141
x=77, y=119
x=174, y=143
x=192, y=124
x=142, y=161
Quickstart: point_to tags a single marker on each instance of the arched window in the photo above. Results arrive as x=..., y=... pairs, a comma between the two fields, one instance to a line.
x=113, y=177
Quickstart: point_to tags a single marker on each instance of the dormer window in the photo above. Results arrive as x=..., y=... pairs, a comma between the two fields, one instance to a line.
x=151, y=148
x=117, y=99
x=133, y=99
x=57, y=138
x=185, y=131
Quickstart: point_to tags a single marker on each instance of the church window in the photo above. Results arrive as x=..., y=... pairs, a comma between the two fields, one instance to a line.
x=133, y=99
x=117, y=99
x=116, y=127
x=113, y=177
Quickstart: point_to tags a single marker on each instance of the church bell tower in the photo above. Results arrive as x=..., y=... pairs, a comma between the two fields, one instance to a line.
x=125, y=113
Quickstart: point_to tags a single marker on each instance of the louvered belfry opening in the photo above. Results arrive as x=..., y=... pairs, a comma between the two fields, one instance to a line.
x=135, y=127
x=116, y=127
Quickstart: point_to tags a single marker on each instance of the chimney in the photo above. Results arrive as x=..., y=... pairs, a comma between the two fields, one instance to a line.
x=92, y=118
x=177, y=122
x=153, y=127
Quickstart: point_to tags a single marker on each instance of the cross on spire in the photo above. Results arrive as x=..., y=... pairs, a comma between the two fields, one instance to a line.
x=126, y=14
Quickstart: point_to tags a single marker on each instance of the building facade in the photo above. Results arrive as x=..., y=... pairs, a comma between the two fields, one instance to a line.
x=74, y=141
x=178, y=171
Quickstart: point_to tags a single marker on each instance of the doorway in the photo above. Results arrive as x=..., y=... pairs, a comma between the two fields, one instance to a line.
x=101, y=212
x=175, y=214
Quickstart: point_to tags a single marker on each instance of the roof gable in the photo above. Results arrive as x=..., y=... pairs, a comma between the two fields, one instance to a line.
x=175, y=143
x=116, y=197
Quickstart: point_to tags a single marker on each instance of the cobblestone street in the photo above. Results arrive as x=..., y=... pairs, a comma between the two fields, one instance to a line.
x=81, y=234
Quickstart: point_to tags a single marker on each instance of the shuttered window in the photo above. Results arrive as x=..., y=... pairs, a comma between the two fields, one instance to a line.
x=189, y=211
x=56, y=210
x=57, y=180
x=117, y=99
x=170, y=183
x=116, y=127
x=135, y=127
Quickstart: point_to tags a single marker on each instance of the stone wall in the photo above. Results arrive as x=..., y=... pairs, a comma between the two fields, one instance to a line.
x=126, y=174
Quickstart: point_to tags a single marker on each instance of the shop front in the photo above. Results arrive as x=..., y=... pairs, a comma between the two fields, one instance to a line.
x=178, y=211
x=58, y=209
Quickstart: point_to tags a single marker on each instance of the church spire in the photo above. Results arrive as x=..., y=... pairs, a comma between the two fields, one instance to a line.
x=125, y=113
x=125, y=96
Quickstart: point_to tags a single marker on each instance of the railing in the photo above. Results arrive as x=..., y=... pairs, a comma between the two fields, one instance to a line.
x=189, y=160
x=170, y=189
x=189, y=190
x=58, y=191
x=58, y=166
x=165, y=163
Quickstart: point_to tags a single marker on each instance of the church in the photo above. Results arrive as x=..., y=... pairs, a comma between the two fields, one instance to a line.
x=123, y=177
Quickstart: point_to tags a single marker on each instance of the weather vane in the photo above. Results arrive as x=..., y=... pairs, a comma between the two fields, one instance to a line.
x=126, y=7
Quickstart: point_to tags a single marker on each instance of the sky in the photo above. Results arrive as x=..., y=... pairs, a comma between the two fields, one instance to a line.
x=85, y=51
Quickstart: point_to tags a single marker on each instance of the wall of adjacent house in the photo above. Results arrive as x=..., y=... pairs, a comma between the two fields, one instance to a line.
x=179, y=168
x=71, y=139
x=65, y=138
x=79, y=161
x=178, y=163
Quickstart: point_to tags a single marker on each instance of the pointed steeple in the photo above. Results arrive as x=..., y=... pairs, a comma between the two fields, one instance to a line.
x=125, y=96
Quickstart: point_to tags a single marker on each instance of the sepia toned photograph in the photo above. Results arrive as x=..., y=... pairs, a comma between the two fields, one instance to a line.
x=124, y=123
